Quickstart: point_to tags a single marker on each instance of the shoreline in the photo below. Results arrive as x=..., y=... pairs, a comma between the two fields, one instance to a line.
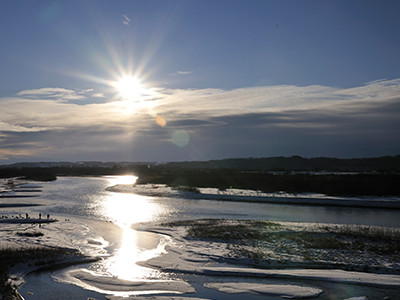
x=12, y=281
x=212, y=257
x=40, y=245
x=207, y=257
x=160, y=190
x=212, y=238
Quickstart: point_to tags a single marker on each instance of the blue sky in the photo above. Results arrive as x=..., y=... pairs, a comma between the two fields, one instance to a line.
x=227, y=79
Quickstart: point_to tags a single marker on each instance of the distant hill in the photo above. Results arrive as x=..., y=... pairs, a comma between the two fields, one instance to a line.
x=68, y=164
x=298, y=163
x=294, y=163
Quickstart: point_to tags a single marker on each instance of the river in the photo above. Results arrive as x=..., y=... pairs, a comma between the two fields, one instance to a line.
x=86, y=198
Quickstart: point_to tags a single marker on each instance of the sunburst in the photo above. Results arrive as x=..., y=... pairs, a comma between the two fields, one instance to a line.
x=130, y=88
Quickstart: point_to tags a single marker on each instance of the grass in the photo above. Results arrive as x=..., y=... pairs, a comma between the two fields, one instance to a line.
x=185, y=188
x=11, y=256
x=224, y=230
x=372, y=232
x=324, y=242
x=265, y=242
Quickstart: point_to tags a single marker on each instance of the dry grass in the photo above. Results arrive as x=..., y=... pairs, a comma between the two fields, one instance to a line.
x=372, y=232
x=226, y=230
x=11, y=256
x=270, y=243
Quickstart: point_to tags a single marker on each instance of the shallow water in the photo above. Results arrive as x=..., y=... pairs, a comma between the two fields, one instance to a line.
x=86, y=198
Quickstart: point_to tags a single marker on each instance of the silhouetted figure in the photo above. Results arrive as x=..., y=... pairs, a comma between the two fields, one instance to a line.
x=40, y=215
x=48, y=216
x=27, y=216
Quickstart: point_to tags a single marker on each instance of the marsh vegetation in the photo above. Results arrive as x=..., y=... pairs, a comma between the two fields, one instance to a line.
x=37, y=257
x=350, y=247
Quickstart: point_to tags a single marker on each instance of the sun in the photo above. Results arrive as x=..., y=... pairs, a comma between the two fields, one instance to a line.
x=133, y=94
x=129, y=88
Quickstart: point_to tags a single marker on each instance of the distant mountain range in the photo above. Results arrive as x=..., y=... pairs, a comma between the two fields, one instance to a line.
x=293, y=163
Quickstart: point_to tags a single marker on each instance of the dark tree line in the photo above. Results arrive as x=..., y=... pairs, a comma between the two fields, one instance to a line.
x=356, y=184
x=190, y=175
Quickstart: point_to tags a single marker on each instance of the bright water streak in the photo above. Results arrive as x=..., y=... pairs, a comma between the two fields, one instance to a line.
x=126, y=210
x=86, y=196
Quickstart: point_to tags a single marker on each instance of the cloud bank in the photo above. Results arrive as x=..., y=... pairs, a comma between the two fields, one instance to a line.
x=50, y=124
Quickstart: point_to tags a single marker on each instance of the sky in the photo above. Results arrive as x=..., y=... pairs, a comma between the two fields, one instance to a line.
x=132, y=80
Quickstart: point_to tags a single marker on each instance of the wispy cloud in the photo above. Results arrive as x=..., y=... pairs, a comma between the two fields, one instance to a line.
x=181, y=73
x=7, y=127
x=215, y=102
x=253, y=121
x=98, y=95
x=184, y=72
x=53, y=94
x=126, y=20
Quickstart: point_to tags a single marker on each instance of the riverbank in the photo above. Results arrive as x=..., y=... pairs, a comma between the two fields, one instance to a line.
x=279, y=258
x=269, y=259
x=240, y=249
x=243, y=249
x=288, y=244
x=18, y=262
x=246, y=195
x=33, y=244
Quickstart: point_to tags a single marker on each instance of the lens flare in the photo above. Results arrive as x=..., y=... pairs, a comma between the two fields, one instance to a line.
x=180, y=138
x=161, y=121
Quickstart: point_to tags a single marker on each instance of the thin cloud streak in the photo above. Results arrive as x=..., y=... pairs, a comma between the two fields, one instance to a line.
x=126, y=20
x=53, y=93
x=184, y=72
x=6, y=127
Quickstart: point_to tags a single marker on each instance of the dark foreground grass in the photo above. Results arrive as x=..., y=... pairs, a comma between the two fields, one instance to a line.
x=225, y=230
x=38, y=257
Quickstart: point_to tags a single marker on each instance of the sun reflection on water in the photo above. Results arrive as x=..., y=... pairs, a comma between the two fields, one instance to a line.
x=125, y=179
x=125, y=210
